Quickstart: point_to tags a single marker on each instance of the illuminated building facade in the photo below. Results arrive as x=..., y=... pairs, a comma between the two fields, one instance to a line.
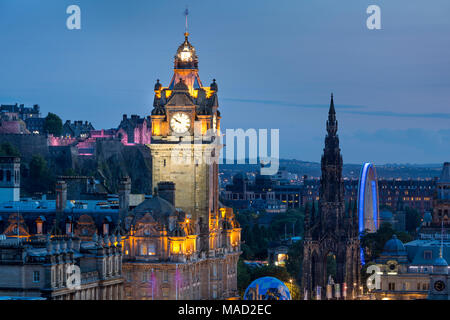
x=37, y=267
x=415, y=194
x=243, y=193
x=441, y=201
x=414, y=270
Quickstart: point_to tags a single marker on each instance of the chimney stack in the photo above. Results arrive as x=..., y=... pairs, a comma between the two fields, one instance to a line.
x=124, y=196
x=166, y=190
x=61, y=196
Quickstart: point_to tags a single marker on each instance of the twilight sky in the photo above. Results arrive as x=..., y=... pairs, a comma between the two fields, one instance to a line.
x=276, y=63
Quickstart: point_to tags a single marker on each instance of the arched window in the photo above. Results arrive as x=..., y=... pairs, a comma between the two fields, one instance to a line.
x=143, y=250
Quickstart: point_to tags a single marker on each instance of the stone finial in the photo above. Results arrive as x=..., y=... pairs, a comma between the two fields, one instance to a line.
x=57, y=247
x=106, y=240
x=49, y=245
x=63, y=246
x=70, y=244
x=100, y=241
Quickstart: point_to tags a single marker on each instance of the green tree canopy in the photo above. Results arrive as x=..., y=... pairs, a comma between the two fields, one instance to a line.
x=7, y=149
x=294, y=260
x=40, y=178
x=373, y=243
x=412, y=220
x=53, y=124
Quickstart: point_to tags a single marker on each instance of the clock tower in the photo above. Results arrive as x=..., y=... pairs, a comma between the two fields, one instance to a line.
x=185, y=130
x=439, y=279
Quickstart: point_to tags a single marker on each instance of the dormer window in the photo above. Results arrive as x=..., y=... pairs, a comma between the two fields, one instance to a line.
x=68, y=228
x=105, y=228
x=39, y=226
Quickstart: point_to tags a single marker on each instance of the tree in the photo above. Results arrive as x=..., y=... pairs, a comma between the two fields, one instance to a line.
x=7, y=149
x=53, y=124
x=40, y=178
x=294, y=260
x=243, y=277
x=270, y=271
x=412, y=220
x=373, y=243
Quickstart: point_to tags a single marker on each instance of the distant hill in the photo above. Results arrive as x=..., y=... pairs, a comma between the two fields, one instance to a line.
x=350, y=171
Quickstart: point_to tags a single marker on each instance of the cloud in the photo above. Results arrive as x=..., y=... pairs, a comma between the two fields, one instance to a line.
x=438, y=115
x=351, y=109
x=291, y=104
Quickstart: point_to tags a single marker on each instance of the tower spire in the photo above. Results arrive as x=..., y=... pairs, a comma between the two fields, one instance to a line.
x=332, y=111
x=332, y=123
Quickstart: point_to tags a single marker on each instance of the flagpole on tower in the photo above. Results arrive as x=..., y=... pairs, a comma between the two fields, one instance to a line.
x=186, y=13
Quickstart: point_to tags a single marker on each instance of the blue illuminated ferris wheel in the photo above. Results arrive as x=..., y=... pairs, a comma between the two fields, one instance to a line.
x=368, y=210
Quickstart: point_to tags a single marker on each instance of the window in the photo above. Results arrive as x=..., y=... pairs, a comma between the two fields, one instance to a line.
x=151, y=251
x=8, y=175
x=214, y=291
x=146, y=276
x=165, y=276
x=105, y=228
x=68, y=228
x=1, y=175
x=36, y=276
x=391, y=286
x=428, y=254
x=39, y=228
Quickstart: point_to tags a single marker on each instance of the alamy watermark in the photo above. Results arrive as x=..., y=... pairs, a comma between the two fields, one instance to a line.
x=374, y=280
x=207, y=148
x=73, y=274
x=73, y=22
x=374, y=20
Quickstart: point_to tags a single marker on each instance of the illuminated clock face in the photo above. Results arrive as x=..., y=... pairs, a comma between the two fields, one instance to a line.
x=392, y=266
x=439, y=285
x=185, y=55
x=180, y=122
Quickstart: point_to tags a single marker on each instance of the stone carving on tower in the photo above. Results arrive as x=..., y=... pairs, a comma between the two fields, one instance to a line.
x=333, y=230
